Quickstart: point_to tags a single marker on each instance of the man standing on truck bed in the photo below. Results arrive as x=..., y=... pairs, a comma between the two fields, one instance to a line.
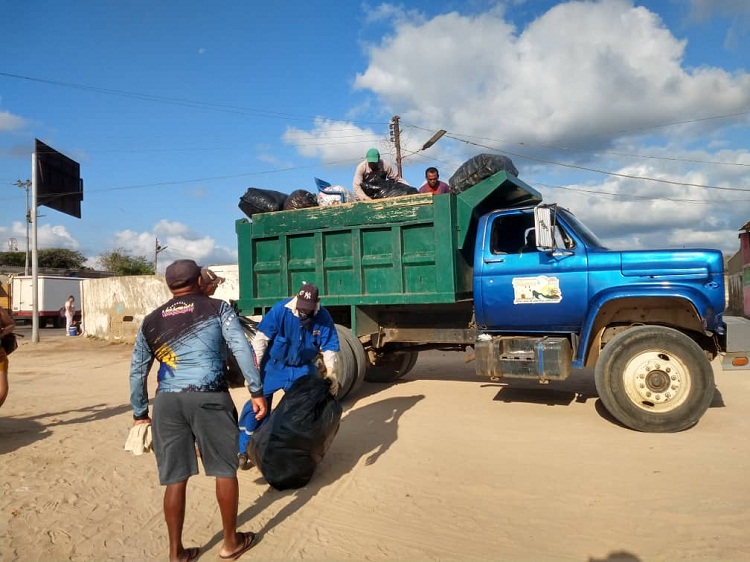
x=192, y=403
x=433, y=184
x=286, y=345
x=372, y=169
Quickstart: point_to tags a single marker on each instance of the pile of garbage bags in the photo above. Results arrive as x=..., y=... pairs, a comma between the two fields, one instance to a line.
x=470, y=173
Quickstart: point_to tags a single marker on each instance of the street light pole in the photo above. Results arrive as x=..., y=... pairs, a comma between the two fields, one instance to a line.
x=157, y=249
x=396, y=139
x=26, y=185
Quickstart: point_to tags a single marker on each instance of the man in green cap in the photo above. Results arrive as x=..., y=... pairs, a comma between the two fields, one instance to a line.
x=371, y=169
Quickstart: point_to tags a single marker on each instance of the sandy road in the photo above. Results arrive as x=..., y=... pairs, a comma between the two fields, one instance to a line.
x=440, y=466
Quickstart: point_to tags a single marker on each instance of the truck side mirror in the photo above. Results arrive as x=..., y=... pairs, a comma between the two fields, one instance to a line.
x=544, y=227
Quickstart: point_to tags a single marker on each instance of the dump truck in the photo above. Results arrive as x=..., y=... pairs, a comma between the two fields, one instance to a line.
x=456, y=272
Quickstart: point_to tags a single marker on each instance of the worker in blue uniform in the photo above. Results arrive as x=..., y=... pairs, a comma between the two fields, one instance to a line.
x=286, y=345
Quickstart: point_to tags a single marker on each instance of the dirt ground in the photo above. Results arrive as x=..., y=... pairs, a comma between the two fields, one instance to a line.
x=440, y=466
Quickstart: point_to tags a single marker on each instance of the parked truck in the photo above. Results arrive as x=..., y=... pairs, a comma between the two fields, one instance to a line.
x=455, y=272
x=52, y=293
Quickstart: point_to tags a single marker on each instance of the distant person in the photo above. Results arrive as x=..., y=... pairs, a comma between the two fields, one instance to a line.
x=372, y=169
x=433, y=184
x=69, y=308
x=6, y=327
x=192, y=403
x=210, y=281
x=286, y=345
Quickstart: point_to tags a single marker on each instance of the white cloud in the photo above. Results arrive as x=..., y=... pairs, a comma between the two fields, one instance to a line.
x=333, y=141
x=631, y=213
x=592, y=76
x=48, y=236
x=10, y=122
x=582, y=70
x=706, y=8
x=179, y=241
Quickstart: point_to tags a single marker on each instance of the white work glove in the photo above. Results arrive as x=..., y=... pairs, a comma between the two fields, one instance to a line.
x=331, y=377
x=330, y=359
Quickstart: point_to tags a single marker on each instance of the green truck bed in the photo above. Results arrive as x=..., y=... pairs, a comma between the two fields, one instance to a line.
x=415, y=249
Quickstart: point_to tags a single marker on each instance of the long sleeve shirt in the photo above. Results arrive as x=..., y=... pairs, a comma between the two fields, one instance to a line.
x=186, y=336
x=363, y=174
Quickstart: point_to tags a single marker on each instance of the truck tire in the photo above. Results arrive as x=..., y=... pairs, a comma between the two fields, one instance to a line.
x=654, y=379
x=231, y=368
x=346, y=338
x=392, y=366
x=347, y=365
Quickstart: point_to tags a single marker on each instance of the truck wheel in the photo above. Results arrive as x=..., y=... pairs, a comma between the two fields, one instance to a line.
x=360, y=360
x=231, y=368
x=654, y=379
x=347, y=364
x=392, y=366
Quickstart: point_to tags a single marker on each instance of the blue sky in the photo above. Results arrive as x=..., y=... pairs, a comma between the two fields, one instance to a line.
x=635, y=115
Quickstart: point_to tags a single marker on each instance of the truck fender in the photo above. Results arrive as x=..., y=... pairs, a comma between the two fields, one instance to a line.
x=604, y=306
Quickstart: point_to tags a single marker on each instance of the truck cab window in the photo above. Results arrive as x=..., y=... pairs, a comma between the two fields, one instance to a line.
x=508, y=232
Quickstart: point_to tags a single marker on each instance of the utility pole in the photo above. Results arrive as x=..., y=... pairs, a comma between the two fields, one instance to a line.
x=396, y=139
x=27, y=186
x=157, y=249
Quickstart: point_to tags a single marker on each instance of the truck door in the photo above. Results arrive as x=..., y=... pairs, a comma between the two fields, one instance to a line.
x=517, y=287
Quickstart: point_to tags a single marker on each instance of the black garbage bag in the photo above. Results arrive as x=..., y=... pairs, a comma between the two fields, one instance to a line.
x=300, y=199
x=297, y=434
x=257, y=200
x=383, y=188
x=478, y=168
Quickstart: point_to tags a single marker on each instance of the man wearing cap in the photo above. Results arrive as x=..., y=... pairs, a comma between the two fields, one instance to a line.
x=286, y=344
x=210, y=281
x=192, y=404
x=370, y=170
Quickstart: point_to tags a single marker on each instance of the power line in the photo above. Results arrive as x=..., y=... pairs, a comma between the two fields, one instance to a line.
x=173, y=101
x=609, y=152
x=641, y=197
x=597, y=171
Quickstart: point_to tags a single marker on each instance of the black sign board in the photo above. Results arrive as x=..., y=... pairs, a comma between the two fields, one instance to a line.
x=58, y=181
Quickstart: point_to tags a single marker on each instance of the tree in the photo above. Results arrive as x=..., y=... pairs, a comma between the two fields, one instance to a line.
x=121, y=263
x=60, y=258
x=51, y=258
x=13, y=259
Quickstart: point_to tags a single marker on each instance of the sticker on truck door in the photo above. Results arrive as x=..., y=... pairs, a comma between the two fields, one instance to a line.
x=540, y=289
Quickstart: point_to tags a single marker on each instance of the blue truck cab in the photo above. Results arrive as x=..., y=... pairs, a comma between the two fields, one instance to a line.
x=549, y=296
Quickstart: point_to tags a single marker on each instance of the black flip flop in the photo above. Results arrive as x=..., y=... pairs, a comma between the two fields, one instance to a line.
x=248, y=542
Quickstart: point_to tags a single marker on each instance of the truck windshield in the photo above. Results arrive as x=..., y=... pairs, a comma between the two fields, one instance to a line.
x=588, y=237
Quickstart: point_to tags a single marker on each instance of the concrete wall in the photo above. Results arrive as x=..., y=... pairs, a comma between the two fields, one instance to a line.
x=114, y=307
x=229, y=290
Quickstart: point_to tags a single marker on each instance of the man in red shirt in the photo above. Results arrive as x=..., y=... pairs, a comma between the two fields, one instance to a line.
x=433, y=184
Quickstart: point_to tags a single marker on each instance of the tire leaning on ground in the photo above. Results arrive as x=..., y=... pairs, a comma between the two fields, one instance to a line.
x=347, y=339
x=232, y=369
x=392, y=366
x=654, y=379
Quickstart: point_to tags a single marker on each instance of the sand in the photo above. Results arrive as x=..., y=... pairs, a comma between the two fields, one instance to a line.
x=440, y=466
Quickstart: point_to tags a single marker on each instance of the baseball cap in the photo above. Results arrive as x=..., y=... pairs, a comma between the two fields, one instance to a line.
x=182, y=273
x=373, y=155
x=307, y=297
x=210, y=278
